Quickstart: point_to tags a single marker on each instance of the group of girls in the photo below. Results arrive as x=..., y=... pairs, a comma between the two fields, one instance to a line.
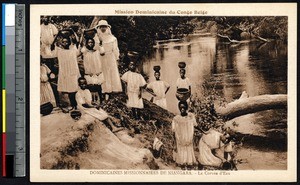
x=100, y=66
x=100, y=55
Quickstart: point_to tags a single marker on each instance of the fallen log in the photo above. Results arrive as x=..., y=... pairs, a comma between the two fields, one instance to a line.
x=248, y=105
x=262, y=39
x=225, y=38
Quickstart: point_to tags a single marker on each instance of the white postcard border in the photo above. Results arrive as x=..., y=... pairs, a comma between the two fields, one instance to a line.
x=237, y=9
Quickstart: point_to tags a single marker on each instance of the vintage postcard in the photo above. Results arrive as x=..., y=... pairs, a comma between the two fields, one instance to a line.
x=163, y=92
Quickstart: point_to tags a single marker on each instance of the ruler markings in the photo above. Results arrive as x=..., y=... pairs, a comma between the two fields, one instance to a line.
x=20, y=90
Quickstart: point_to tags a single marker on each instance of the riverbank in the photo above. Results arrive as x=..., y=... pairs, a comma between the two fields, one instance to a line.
x=89, y=143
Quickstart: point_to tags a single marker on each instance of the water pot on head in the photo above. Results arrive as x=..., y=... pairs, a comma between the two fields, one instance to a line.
x=90, y=33
x=181, y=65
x=156, y=68
x=65, y=33
x=183, y=94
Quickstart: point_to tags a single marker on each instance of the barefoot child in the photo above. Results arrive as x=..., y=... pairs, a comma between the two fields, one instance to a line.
x=160, y=89
x=68, y=69
x=183, y=128
x=134, y=85
x=84, y=101
x=92, y=66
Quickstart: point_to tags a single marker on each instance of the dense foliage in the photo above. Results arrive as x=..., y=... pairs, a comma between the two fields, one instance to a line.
x=139, y=33
x=274, y=27
x=134, y=33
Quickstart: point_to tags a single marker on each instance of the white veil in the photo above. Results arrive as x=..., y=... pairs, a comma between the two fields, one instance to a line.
x=106, y=36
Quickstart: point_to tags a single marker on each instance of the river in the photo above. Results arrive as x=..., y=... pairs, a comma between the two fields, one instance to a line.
x=255, y=67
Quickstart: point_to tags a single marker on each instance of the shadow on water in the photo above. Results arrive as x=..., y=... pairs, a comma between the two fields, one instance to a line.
x=263, y=143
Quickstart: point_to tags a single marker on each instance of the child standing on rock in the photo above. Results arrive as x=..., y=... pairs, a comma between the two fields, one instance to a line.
x=68, y=69
x=160, y=89
x=135, y=82
x=183, y=128
x=92, y=66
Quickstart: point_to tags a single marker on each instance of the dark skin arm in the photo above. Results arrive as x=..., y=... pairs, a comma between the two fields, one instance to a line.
x=125, y=89
x=53, y=45
x=81, y=38
x=167, y=90
x=141, y=90
x=76, y=42
x=174, y=143
x=190, y=90
x=150, y=91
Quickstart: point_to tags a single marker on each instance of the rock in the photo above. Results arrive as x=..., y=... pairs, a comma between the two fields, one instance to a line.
x=89, y=144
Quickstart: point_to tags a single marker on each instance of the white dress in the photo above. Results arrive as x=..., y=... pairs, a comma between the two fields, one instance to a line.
x=47, y=33
x=183, y=83
x=209, y=141
x=85, y=96
x=68, y=71
x=92, y=66
x=46, y=92
x=183, y=126
x=159, y=88
x=112, y=81
x=134, y=82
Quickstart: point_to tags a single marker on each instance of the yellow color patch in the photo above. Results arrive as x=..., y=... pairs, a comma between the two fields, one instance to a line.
x=3, y=111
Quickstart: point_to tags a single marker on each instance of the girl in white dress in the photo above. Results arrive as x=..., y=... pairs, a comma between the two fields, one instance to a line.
x=92, y=66
x=211, y=139
x=109, y=59
x=135, y=82
x=183, y=128
x=160, y=89
x=183, y=82
x=84, y=100
x=45, y=87
x=47, y=36
x=68, y=69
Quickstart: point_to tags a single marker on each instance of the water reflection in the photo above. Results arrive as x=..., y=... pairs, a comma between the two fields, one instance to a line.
x=255, y=67
x=229, y=68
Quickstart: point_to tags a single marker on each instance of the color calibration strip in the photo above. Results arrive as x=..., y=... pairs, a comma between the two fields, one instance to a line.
x=13, y=90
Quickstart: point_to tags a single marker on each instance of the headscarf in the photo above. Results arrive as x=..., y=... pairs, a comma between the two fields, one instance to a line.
x=106, y=36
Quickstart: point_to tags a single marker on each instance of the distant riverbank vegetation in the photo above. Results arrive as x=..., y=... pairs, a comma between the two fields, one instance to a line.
x=140, y=33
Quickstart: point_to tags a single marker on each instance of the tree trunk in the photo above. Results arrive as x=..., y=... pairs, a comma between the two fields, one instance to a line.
x=254, y=104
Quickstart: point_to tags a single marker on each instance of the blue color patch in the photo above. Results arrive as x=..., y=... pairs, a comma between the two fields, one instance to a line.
x=3, y=24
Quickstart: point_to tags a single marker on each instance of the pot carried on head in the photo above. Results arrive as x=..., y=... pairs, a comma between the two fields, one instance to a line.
x=181, y=65
x=90, y=33
x=183, y=94
x=65, y=33
x=156, y=68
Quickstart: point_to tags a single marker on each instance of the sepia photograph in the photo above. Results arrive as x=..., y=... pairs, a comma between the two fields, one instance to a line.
x=158, y=93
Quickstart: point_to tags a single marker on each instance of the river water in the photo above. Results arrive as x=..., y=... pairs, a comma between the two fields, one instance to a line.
x=255, y=67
